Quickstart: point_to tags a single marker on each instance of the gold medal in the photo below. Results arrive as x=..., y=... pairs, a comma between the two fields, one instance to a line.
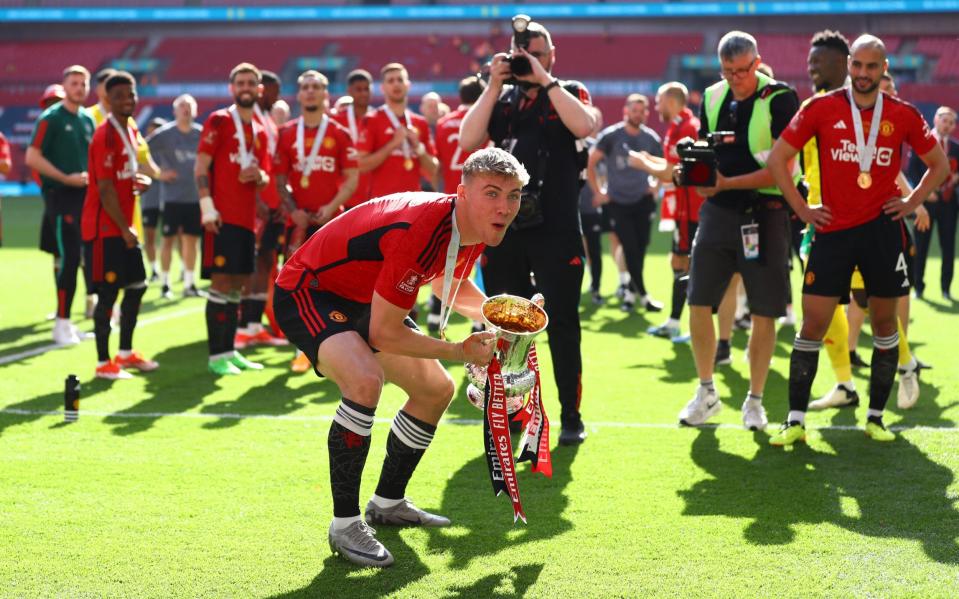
x=408, y=164
x=304, y=181
x=864, y=180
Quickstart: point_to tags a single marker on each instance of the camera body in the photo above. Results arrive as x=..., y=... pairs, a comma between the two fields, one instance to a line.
x=697, y=159
x=519, y=65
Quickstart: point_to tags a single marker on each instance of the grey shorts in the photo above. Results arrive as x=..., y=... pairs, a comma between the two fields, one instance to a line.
x=717, y=253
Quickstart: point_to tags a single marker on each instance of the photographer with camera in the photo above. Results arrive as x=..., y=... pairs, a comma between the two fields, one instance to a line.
x=743, y=225
x=540, y=120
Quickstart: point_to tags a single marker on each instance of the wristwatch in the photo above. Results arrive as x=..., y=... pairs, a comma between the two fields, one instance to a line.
x=551, y=85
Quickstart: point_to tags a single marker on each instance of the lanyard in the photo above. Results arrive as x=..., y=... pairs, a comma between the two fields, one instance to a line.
x=351, y=122
x=446, y=305
x=317, y=142
x=270, y=133
x=127, y=145
x=396, y=124
x=246, y=158
x=866, y=149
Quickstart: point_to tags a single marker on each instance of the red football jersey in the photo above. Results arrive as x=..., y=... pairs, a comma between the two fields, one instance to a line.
x=392, y=245
x=4, y=148
x=828, y=118
x=269, y=194
x=392, y=176
x=362, y=192
x=235, y=201
x=107, y=159
x=448, y=149
x=334, y=156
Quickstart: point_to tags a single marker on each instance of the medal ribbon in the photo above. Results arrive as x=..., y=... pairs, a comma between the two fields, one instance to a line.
x=396, y=124
x=351, y=122
x=499, y=448
x=452, y=251
x=866, y=149
x=270, y=133
x=535, y=447
x=317, y=142
x=124, y=133
x=246, y=158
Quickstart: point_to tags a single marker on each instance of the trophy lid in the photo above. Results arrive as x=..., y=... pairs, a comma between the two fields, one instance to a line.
x=515, y=315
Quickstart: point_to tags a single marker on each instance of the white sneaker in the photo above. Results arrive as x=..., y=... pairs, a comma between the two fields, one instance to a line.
x=789, y=320
x=80, y=335
x=908, y=393
x=840, y=397
x=704, y=405
x=754, y=415
x=63, y=333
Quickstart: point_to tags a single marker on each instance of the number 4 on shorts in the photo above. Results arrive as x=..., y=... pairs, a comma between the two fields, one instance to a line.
x=901, y=267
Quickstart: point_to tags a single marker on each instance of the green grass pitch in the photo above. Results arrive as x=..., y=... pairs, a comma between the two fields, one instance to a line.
x=177, y=484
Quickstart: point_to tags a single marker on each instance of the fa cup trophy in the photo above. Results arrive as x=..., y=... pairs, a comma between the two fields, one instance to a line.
x=500, y=391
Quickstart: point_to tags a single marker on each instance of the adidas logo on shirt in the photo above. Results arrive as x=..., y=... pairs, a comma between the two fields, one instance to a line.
x=839, y=125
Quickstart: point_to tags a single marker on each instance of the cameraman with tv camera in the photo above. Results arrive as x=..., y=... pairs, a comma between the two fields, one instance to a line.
x=541, y=120
x=744, y=224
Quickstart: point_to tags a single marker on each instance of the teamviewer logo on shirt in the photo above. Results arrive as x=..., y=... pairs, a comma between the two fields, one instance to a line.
x=410, y=283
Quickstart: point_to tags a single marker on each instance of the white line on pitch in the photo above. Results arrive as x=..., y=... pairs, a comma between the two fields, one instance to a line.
x=52, y=346
x=457, y=421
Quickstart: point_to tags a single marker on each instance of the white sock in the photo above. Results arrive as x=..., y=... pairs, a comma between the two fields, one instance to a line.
x=876, y=413
x=165, y=278
x=911, y=365
x=848, y=385
x=672, y=322
x=624, y=278
x=62, y=322
x=384, y=502
x=341, y=523
x=188, y=278
x=797, y=416
x=125, y=353
x=155, y=266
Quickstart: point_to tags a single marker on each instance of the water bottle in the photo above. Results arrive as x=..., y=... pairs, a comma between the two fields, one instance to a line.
x=71, y=398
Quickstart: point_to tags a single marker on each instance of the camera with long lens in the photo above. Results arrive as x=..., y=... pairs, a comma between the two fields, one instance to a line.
x=519, y=65
x=697, y=159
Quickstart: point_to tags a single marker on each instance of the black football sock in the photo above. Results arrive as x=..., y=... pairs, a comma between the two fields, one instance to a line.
x=348, y=444
x=803, y=363
x=885, y=360
x=129, y=311
x=217, y=314
x=408, y=440
x=101, y=321
x=680, y=282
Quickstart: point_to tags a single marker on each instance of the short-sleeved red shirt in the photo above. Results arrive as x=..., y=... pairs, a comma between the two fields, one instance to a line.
x=392, y=245
x=448, y=149
x=362, y=192
x=269, y=194
x=326, y=174
x=688, y=202
x=107, y=159
x=392, y=175
x=4, y=148
x=828, y=118
x=235, y=201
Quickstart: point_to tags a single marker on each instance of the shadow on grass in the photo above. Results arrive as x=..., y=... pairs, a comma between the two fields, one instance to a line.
x=273, y=397
x=182, y=388
x=49, y=403
x=488, y=530
x=777, y=490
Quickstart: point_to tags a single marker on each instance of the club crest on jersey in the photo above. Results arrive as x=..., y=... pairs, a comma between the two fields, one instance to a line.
x=410, y=283
x=886, y=128
x=329, y=143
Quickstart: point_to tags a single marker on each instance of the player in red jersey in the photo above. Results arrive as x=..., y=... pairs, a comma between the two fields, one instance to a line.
x=351, y=116
x=5, y=165
x=270, y=226
x=859, y=131
x=343, y=299
x=112, y=254
x=234, y=147
x=451, y=155
x=316, y=156
x=395, y=145
x=671, y=105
